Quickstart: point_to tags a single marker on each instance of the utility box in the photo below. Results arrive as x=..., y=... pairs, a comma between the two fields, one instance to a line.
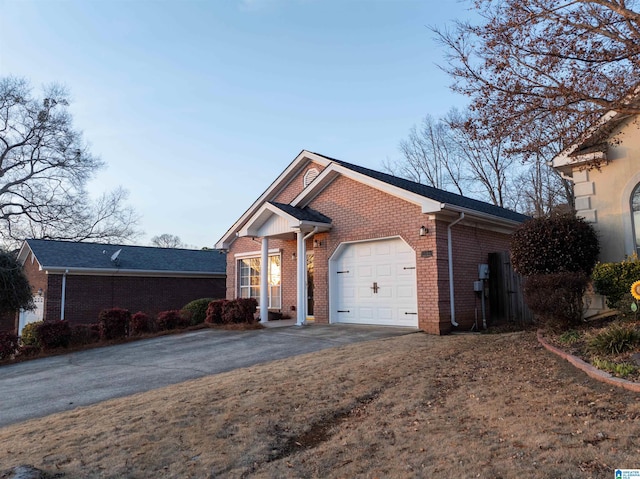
x=483, y=271
x=477, y=286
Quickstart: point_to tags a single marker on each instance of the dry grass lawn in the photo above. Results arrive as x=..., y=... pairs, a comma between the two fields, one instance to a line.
x=488, y=406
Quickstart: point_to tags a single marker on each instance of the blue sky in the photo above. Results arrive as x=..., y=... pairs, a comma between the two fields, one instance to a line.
x=196, y=106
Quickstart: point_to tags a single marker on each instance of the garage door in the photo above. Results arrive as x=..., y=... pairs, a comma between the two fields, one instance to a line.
x=374, y=282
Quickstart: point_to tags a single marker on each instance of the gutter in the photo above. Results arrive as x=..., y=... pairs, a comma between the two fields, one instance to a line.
x=450, y=258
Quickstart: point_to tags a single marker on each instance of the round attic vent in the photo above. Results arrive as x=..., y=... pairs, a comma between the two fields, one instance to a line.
x=309, y=176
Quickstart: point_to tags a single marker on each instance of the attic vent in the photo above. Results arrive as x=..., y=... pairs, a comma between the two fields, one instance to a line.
x=309, y=176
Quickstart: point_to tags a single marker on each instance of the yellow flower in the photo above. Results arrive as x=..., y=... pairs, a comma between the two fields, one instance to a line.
x=635, y=289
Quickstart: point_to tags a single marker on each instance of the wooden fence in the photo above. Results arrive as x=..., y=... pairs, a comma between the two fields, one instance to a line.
x=505, y=291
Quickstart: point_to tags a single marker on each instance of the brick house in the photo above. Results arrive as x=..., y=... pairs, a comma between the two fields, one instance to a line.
x=604, y=166
x=75, y=281
x=347, y=244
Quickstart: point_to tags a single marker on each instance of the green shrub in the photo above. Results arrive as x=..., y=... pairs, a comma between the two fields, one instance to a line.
x=54, y=334
x=29, y=336
x=8, y=344
x=196, y=310
x=556, y=299
x=554, y=244
x=619, y=369
x=114, y=323
x=614, y=280
x=615, y=339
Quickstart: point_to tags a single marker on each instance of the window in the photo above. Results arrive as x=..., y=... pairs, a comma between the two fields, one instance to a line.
x=635, y=217
x=249, y=279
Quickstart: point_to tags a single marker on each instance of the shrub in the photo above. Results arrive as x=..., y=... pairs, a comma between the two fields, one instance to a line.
x=141, y=323
x=172, y=319
x=248, y=308
x=28, y=351
x=556, y=299
x=554, y=244
x=54, y=334
x=236, y=311
x=214, y=311
x=29, y=336
x=619, y=369
x=615, y=339
x=8, y=344
x=614, y=280
x=82, y=334
x=196, y=310
x=114, y=323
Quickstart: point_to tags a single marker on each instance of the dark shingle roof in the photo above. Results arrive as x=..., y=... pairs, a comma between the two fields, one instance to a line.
x=435, y=194
x=302, y=214
x=66, y=254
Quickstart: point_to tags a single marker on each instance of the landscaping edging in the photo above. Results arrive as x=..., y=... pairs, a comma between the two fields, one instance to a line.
x=590, y=370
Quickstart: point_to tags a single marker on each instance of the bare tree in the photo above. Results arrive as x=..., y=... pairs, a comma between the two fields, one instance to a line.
x=563, y=62
x=430, y=156
x=167, y=241
x=44, y=168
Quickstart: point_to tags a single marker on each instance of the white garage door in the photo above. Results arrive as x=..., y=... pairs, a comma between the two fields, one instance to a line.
x=374, y=282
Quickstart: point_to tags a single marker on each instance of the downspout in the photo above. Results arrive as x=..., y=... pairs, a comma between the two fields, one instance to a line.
x=64, y=294
x=450, y=251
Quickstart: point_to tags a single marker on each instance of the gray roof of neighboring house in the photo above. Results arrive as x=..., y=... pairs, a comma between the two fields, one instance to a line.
x=435, y=194
x=95, y=256
x=302, y=214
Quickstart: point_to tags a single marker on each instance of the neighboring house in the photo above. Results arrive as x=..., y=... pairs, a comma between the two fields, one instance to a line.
x=604, y=165
x=347, y=244
x=75, y=281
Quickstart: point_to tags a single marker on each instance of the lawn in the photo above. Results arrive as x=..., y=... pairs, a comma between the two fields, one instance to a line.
x=487, y=406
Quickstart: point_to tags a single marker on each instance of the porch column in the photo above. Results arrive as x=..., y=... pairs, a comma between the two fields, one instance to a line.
x=302, y=265
x=264, y=281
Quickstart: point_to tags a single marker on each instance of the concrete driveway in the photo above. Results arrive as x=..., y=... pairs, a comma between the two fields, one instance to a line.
x=44, y=386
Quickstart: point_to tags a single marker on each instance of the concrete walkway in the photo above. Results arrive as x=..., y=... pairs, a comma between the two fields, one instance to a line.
x=44, y=386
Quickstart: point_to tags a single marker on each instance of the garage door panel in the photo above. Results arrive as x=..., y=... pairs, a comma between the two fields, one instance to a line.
x=388, y=263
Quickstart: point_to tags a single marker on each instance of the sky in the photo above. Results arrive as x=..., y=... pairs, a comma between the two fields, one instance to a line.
x=196, y=106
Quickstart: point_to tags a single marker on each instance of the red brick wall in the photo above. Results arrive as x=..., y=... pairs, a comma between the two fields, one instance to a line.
x=86, y=296
x=360, y=212
x=294, y=187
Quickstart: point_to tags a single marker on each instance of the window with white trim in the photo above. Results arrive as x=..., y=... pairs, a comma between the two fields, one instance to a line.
x=249, y=279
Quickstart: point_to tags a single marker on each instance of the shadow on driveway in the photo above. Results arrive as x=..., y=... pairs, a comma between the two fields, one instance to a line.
x=44, y=386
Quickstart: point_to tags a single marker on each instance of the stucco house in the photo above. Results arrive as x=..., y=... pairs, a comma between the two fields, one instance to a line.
x=75, y=281
x=604, y=165
x=347, y=244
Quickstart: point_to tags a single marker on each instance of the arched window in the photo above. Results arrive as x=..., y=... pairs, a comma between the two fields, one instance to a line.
x=635, y=217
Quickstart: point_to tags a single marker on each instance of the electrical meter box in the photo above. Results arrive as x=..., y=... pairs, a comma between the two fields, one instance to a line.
x=477, y=286
x=483, y=271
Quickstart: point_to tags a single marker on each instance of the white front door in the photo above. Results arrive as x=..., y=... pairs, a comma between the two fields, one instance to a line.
x=374, y=282
x=27, y=317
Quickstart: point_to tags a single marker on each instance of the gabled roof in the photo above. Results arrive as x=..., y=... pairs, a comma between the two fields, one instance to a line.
x=302, y=214
x=58, y=256
x=432, y=200
x=437, y=194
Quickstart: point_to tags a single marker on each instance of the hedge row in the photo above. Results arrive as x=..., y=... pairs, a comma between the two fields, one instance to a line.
x=118, y=323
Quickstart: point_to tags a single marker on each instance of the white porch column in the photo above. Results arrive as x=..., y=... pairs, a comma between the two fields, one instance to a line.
x=302, y=273
x=264, y=281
